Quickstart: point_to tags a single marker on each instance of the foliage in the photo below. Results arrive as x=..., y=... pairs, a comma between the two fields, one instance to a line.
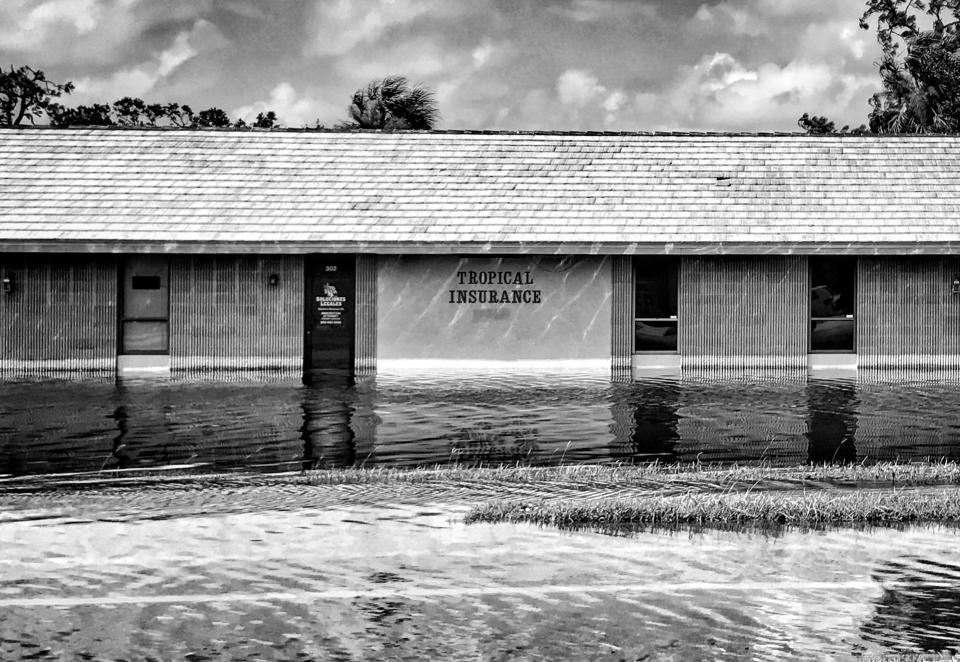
x=265, y=121
x=820, y=125
x=26, y=92
x=212, y=117
x=817, y=124
x=392, y=104
x=97, y=114
x=135, y=112
x=919, y=69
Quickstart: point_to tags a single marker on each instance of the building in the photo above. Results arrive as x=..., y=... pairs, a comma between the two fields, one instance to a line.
x=196, y=250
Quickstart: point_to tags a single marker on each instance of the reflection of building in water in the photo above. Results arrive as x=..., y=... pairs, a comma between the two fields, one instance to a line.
x=725, y=421
x=221, y=426
x=55, y=428
x=465, y=419
x=919, y=608
x=645, y=421
x=831, y=422
x=905, y=421
x=328, y=424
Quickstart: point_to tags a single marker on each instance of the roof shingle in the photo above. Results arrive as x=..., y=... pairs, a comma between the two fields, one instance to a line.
x=104, y=189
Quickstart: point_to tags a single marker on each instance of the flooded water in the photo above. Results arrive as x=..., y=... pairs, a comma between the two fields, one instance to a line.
x=267, y=569
x=170, y=520
x=277, y=424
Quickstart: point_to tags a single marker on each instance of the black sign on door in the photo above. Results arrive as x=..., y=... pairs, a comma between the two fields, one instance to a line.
x=331, y=303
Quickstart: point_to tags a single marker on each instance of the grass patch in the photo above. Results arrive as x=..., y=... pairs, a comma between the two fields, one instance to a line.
x=914, y=473
x=733, y=508
x=500, y=481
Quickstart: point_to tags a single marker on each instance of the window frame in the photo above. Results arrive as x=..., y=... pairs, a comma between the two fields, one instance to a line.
x=852, y=317
x=673, y=262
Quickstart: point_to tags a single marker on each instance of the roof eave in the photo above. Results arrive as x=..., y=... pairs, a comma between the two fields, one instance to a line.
x=483, y=248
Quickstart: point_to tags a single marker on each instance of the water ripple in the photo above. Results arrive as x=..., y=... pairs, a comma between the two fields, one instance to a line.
x=77, y=426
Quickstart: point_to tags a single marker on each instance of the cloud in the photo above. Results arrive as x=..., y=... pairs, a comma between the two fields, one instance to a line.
x=25, y=23
x=482, y=54
x=341, y=25
x=417, y=59
x=760, y=17
x=720, y=93
x=552, y=64
x=615, y=101
x=578, y=88
x=140, y=80
x=89, y=32
x=589, y=11
x=292, y=109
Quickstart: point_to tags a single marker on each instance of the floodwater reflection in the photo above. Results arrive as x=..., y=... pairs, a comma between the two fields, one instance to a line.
x=919, y=608
x=280, y=424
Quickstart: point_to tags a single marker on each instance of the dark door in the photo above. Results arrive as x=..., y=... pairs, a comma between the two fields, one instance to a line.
x=145, y=310
x=330, y=315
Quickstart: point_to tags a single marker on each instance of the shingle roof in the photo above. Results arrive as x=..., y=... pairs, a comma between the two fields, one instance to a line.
x=102, y=189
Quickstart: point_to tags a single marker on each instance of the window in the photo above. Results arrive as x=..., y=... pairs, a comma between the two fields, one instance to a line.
x=144, y=326
x=832, y=304
x=655, y=309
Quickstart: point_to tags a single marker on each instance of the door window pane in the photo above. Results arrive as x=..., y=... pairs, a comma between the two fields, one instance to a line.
x=655, y=304
x=833, y=289
x=656, y=287
x=832, y=335
x=144, y=337
x=656, y=336
x=146, y=282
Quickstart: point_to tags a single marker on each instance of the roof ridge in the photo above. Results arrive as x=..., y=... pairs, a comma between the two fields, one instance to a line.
x=484, y=132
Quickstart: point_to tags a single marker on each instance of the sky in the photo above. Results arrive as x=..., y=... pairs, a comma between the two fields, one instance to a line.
x=597, y=65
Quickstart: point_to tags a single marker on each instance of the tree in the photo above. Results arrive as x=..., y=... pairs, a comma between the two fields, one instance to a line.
x=175, y=114
x=817, y=124
x=97, y=114
x=919, y=69
x=266, y=121
x=26, y=92
x=390, y=103
x=130, y=111
x=212, y=117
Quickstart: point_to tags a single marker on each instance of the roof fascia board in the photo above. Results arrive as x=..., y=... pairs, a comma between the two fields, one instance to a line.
x=484, y=248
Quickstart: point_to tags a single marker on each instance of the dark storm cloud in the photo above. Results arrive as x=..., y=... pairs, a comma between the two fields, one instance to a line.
x=559, y=64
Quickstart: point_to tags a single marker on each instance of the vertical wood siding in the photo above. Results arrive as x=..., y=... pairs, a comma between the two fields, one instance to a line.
x=908, y=319
x=738, y=313
x=365, y=355
x=62, y=314
x=224, y=314
x=621, y=323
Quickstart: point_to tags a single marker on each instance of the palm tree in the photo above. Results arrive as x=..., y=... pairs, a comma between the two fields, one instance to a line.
x=392, y=104
x=921, y=92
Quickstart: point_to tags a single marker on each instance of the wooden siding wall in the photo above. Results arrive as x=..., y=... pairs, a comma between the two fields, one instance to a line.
x=224, y=314
x=62, y=314
x=907, y=317
x=621, y=323
x=744, y=313
x=365, y=351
